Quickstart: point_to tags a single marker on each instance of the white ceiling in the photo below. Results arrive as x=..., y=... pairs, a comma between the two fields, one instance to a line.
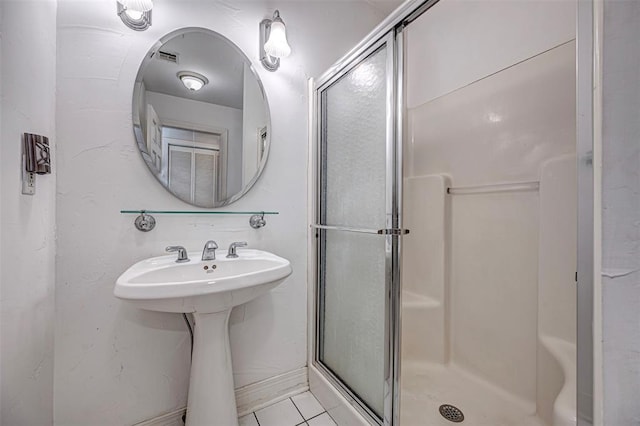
x=203, y=53
x=385, y=6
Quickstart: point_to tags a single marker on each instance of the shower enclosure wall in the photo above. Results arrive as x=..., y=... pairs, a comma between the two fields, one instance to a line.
x=488, y=271
x=456, y=120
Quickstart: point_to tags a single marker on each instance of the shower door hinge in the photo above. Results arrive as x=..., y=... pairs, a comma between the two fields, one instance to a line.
x=393, y=231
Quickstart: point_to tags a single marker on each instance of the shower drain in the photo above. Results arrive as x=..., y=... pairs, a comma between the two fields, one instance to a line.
x=451, y=413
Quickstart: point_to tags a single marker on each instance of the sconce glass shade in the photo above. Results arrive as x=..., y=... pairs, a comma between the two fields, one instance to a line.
x=277, y=45
x=137, y=6
x=192, y=81
x=135, y=14
x=273, y=42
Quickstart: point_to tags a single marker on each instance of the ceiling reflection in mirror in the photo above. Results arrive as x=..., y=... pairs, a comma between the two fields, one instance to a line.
x=200, y=117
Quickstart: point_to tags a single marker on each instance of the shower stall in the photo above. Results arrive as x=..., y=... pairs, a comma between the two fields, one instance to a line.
x=444, y=229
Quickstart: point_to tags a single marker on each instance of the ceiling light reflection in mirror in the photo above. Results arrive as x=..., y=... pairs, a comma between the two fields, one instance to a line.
x=192, y=81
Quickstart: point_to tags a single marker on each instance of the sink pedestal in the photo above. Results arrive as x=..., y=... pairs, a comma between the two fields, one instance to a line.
x=209, y=289
x=212, y=399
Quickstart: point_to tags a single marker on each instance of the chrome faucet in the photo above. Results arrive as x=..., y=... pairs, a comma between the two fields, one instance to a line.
x=209, y=251
x=232, y=248
x=182, y=253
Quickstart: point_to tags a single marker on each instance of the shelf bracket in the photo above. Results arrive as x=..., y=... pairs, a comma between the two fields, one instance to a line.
x=257, y=221
x=145, y=222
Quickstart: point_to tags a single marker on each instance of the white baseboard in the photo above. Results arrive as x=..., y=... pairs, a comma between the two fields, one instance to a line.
x=249, y=398
x=262, y=394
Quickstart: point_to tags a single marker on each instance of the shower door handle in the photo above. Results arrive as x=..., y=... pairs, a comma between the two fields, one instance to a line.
x=386, y=231
x=393, y=231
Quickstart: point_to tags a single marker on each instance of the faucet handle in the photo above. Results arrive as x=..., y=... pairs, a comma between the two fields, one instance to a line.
x=211, y=245
x=232, y=248
x=182, y=253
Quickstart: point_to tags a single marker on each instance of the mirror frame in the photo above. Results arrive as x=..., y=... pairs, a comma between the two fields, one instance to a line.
x=139, y=78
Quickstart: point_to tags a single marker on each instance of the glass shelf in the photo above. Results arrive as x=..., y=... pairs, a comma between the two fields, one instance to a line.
x=194, y=212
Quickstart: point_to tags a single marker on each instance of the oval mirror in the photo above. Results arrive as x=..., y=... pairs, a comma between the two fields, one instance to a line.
x=201, y=118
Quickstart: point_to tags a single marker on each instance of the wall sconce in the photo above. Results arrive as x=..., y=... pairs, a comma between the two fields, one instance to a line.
x=273, y=42
x=136, y=14
x=192, y=80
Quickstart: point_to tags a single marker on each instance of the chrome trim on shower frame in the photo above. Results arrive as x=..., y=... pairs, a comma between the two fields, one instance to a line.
x=395, y=292
x=384, y=231
x=347, y=229
x=587, y=336
x=391, y=240
x=387, y=42
x=388, y=32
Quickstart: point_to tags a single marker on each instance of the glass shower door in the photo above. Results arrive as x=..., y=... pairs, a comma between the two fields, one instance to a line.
x=355, y=223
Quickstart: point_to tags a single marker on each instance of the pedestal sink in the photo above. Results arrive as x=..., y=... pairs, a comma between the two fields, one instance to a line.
x=208, y=289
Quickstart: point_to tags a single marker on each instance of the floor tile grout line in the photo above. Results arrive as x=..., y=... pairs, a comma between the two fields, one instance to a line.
x=298, y=410
x=318, y=415
x=312, y=417
x=304, y=422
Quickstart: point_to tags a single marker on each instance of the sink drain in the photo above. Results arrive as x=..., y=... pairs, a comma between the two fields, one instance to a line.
x=451, y=413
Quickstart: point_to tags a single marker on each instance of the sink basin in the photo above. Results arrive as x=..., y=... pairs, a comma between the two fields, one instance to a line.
x=161, y=284
x=208, y=289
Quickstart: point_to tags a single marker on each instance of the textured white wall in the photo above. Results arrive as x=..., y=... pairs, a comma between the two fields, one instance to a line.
x=27, y=222
x=117, y=365
x=621, y=212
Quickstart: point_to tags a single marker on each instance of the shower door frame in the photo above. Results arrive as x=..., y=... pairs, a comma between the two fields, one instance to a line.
x=390, y=31
x=393, y=180
x=589, y=121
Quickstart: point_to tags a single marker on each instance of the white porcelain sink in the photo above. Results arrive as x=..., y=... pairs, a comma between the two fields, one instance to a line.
x=161, y=284
x=209, y=289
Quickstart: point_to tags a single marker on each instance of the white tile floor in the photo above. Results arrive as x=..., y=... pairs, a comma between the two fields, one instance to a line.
x=303, y=409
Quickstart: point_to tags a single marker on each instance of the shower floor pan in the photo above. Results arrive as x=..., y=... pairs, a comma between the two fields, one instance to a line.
x=425, y=387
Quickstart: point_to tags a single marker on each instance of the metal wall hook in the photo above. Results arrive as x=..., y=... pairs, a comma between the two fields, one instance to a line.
x=257, y=221
x=145, y=222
